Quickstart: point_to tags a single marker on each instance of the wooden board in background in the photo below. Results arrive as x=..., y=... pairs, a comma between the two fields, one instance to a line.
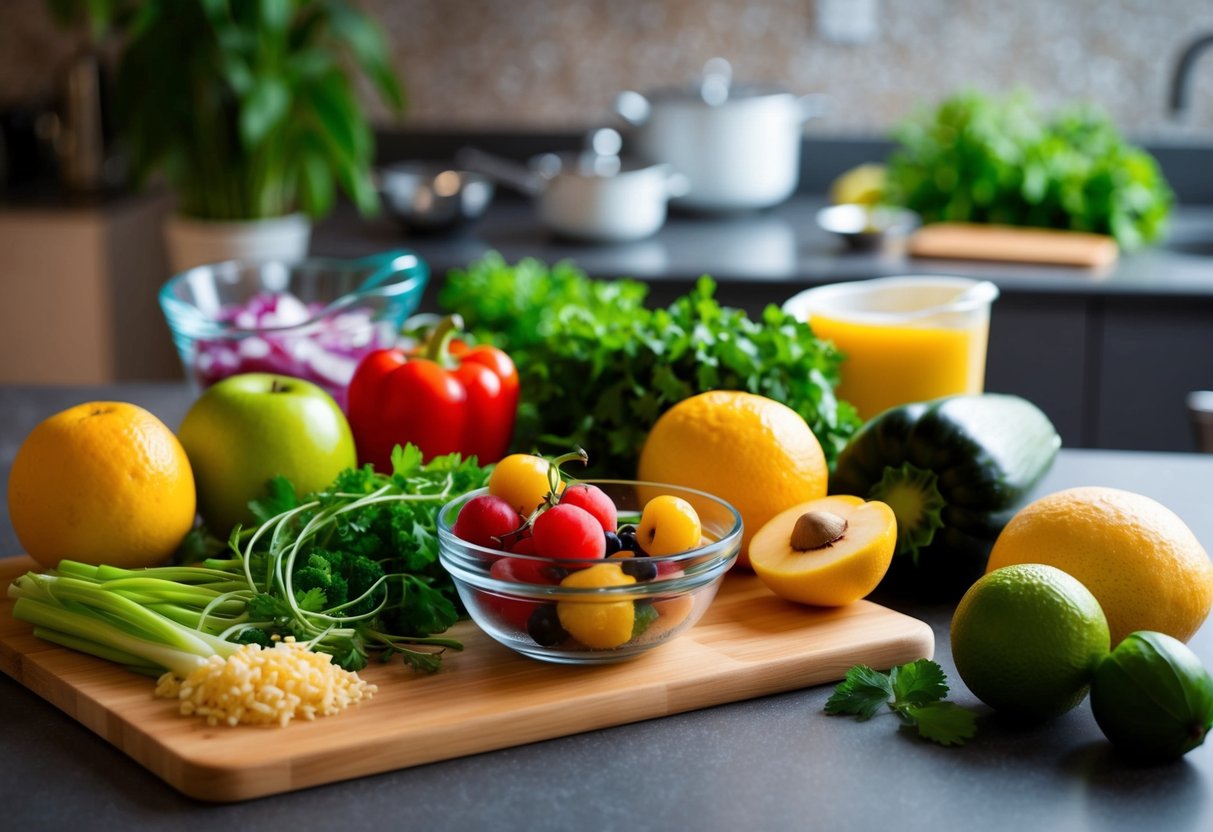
x=970, y=241
x=748, y=644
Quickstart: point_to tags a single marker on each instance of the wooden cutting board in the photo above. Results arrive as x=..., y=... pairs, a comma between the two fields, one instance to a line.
x=969, y=241
x=748, y=644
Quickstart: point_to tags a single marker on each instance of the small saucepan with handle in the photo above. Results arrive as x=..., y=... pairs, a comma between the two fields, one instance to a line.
x=593, y=195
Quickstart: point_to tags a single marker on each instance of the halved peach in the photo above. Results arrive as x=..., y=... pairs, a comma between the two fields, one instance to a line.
x=827, y=552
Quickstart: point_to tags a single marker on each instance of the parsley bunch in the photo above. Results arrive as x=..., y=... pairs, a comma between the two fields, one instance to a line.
x=597, y=367
x=356, y=565
x=978, y=158
x=914, y=692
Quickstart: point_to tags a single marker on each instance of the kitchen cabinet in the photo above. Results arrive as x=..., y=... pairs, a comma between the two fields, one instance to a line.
x=78, y=288
x=1152, y=352
x=1040, y=349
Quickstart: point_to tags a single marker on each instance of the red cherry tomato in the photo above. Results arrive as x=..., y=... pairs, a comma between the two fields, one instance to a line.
x=485, y=520
x=515, y=612
x=594, y=500
x=567, y=531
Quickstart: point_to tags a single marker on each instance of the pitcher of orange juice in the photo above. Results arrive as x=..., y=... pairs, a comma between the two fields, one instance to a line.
x=903, y=339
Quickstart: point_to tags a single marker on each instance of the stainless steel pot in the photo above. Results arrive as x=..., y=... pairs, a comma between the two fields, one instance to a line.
x=738, y=145
x=594, y=195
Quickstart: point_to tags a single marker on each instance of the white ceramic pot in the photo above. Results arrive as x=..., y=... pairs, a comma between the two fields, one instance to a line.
x=588, y=196
x=628, y=204
x=193, y=242
x=739, y=146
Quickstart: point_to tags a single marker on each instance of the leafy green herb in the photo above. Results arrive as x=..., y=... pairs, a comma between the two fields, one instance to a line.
x=977, y=158
x=597, y=367
x=914, y=692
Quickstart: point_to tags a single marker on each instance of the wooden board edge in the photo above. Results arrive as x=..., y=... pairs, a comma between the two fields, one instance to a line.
x=227, y=784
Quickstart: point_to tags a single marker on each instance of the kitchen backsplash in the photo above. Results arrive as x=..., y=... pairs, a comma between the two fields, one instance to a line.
x=537, y=64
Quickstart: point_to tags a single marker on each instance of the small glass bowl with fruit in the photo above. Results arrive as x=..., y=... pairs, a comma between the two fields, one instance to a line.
x=585, y=572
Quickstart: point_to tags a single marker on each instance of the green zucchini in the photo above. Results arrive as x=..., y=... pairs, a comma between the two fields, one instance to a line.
x=954, y=471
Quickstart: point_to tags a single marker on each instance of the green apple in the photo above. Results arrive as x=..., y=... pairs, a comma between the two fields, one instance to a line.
x=249, y=428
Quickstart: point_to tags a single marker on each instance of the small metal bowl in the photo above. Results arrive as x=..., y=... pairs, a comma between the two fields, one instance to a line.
x=433, y=197
x=867, y=228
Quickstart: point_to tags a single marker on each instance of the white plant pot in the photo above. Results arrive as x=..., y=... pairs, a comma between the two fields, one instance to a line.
x=194, y=242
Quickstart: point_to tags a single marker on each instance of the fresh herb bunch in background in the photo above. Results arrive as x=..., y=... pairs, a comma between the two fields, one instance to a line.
x=977, y=158
x=597, y=367
x=247, y=107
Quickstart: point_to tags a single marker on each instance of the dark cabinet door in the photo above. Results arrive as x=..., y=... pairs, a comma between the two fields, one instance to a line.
x=1039, y=349
x=1153, y=352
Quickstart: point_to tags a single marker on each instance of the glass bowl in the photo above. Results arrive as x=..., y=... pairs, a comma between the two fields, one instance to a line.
x=661, y=607
x=314, y=319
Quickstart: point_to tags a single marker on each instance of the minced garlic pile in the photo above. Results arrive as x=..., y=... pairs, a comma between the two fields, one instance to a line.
x=262, y=686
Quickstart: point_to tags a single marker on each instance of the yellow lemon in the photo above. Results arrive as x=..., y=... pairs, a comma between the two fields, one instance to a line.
x=102, y=482
x=753, y=452
x=1137, y=557
x=862, y=185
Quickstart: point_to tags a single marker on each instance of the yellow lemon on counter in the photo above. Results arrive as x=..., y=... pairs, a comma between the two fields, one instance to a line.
x=1137, y=557
x=861, y=185
x=101, y=482
x=753, y=452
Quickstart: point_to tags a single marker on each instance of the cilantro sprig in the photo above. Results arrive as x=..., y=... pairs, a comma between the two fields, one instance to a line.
x=914, y=692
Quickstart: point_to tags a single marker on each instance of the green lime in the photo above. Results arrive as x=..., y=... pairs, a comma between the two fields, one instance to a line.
x=1026, y=640
x=1152, y=697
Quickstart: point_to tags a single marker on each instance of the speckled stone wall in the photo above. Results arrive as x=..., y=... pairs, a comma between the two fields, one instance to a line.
x=557, y=64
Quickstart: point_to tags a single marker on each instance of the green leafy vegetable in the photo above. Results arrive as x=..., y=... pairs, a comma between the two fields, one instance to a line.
x=597, y=367
x=352, y=571
x=914, y=692
x=977, y=158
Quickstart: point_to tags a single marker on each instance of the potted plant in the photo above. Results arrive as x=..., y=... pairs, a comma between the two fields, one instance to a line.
x=249, y=112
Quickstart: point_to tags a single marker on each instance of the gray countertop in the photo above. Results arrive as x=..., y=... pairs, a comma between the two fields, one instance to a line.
x=771, y=254
x=772, y=763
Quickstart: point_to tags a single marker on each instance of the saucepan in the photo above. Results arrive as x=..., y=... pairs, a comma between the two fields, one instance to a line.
x=593, y=195
x=737, y=144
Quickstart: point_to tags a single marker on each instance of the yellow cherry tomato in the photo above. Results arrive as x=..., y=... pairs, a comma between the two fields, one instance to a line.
x=523, y=481
x=598, y=624
x=668, y=525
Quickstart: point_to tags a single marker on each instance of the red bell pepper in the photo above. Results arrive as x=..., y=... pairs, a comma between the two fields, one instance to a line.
x=448, y=398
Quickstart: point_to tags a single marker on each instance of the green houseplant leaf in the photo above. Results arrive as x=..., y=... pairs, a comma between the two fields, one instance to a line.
x=248, y=109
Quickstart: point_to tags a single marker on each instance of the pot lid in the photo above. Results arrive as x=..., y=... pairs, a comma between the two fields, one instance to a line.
x=600, y=158
x=715, y=87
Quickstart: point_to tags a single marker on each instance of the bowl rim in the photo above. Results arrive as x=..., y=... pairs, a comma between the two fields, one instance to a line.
x=188, y=319
x=719, y=554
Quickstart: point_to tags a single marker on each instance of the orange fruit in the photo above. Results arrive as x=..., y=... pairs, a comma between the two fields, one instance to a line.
x=101, y=482
x=1027, y=639
x=753, y=452
x=828, y=552
x=1137, y=557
